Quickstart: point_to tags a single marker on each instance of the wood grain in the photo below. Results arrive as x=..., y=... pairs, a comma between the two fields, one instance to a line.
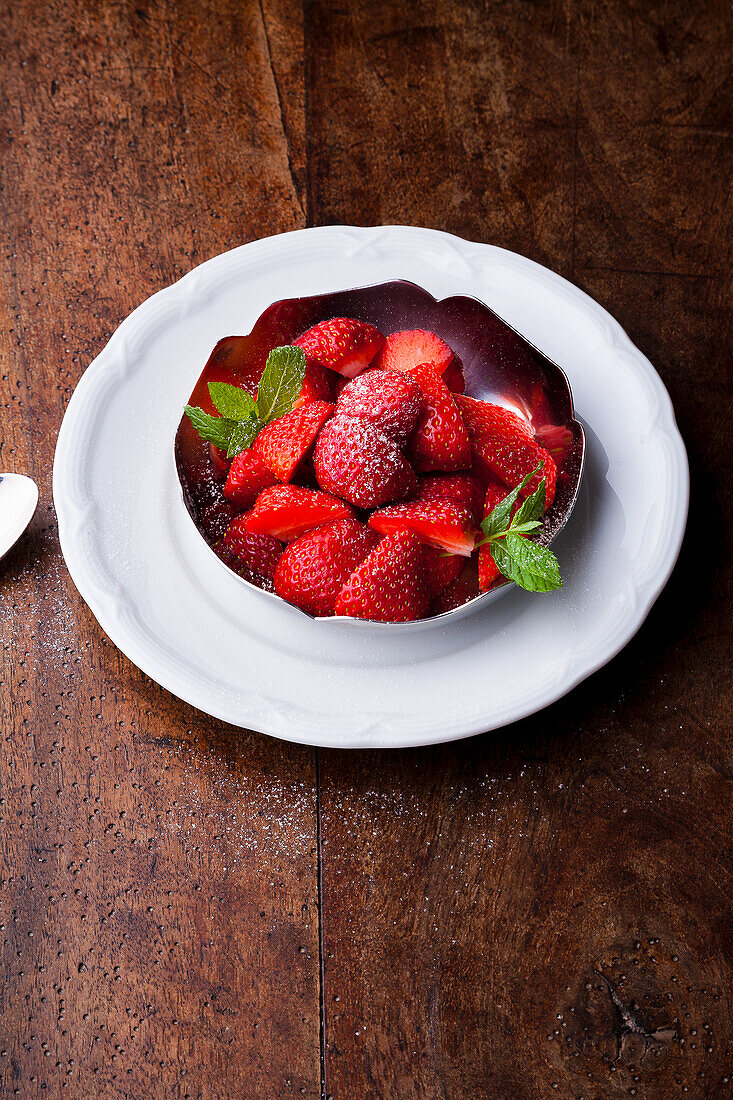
x=546, y=911
x=159, y=894
x=190, y=910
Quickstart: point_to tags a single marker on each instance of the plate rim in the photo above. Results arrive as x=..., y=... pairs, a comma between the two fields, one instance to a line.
x=103, y=369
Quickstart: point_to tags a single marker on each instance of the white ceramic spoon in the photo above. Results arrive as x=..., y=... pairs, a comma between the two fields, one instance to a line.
x=18, y=501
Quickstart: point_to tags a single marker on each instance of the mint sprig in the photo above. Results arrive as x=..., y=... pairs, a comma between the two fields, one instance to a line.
x=532, y=567
x=242, y=416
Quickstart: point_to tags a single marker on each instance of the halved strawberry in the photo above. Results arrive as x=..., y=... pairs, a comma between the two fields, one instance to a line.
x=409, y=348
x=458, y=592
x=317, y=385
x=390, y=585
x=454, y=377
x=488, y=573
x=313, y=568
x=549, y=472
x=287, y=440
x=355, y=461
x=390, y=400
x=247, y=477
x=236, y=564
x=219, y=462
x=460, y=488
x=502, y=443
x=260, y=553
x=441, y=441
x=341, y=344
x=441, y=569
x=440, y=523
x=288, y=511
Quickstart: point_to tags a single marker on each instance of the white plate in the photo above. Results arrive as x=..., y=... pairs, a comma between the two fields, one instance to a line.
x=147, y=575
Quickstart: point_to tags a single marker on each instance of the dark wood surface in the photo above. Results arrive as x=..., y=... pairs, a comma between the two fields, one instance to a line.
x=194, y=911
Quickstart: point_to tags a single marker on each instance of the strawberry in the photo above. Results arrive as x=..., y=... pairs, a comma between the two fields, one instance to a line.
x=403, y=350
x=259, y=553
x=247, y=477
x=502, y=444
x=390, y=585
x=441, y=441
x=236, y=564
x=440, y=523
x=549, y=472
x=460, y=488
x=317, y=385
x=441, y=569
x=391, y=400
x=355, y=461
x=341, y=344
x=314, y=567
x=288, y=511
x=458, y=592
x=454, y=377
x=219, y=461
x=488, y=573
x=287, y=440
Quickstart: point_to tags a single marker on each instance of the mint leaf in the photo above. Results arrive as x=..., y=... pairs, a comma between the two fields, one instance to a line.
x=231, y=401
x=244, y=435
x=281, y=382
x=532, y=567
x=214, y=429
x=522, y=528
x=532, y=508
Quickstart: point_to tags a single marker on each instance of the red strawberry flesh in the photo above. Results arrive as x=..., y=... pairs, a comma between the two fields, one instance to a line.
x=288, y=511
x=246, y=479
x=341, y=344
x=260, y=553
x=441, y=441
x=313, y=569
x=355, y=461
x=390, y=585
x=408, y=348
x=440, y=523
x=391, y=400
x=460, y=488
x=285, y=442
x=502, y=443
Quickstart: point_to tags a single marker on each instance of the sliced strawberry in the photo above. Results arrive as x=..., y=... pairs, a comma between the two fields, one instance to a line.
x=390, y=585
x=460, y=488
x=219, y=461
x=287, y=440
x=458, y=592
x=317, y=385
x=454, y=377
x=440, y=523
x=409, y=348
x=441, y=569
x=236, y=564
x=314, y=567
x=260, y=553
x=355, y=461
x=488, y=573
x=501, y=442
x=247, y=477
x=549, y=472
x=341, y=344
x=288, y=511
x=441, y=441
x=390, y=400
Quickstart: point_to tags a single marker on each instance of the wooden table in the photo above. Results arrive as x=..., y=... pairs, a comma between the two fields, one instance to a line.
x=190, y=910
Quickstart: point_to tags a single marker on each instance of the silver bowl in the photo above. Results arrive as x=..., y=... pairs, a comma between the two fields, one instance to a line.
x=500, y=365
